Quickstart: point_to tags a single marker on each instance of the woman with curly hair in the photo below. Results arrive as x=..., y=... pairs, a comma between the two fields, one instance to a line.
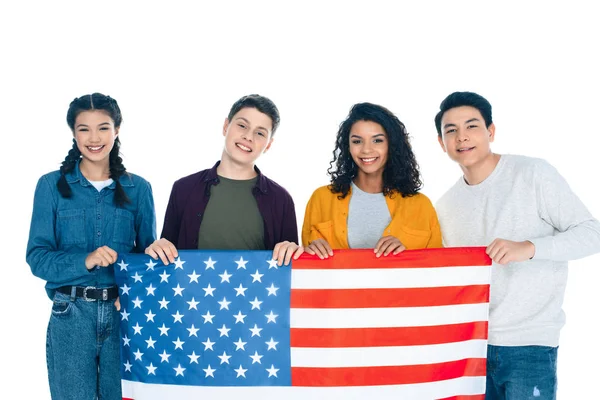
x=373, y=200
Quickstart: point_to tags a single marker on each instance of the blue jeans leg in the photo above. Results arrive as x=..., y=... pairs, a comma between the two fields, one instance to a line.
x=82, y=350
x=521, y=373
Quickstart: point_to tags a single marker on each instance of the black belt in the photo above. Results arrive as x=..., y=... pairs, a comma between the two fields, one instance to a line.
x=91, y=293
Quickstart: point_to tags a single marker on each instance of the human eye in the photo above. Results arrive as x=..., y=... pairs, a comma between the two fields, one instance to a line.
x=471, y=126
x=261, y=133
x=378, y=140
x=450, y=131
x=355, y=141
x=243, y=126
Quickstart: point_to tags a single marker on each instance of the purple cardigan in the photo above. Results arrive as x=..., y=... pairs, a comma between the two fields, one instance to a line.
x=190, y=196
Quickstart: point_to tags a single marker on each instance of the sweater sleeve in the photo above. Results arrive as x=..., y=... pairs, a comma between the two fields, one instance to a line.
x=576, y=231
x=311, y=217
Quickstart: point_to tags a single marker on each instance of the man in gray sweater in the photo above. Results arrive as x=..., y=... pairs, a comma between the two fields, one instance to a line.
x=524, y=211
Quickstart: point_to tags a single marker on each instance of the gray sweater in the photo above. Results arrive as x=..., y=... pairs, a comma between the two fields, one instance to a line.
x=523, y=199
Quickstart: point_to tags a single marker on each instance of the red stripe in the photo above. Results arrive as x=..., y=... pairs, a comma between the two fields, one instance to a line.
x=127, y=398
x=393, y=297
x=425, y=258
x=398, y=375
x=374, y=337
x=466, y=397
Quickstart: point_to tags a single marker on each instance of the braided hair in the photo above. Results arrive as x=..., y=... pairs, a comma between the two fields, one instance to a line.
x=92, y=102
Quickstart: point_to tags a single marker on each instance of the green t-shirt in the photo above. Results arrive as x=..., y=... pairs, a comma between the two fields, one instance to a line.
x=232, y=220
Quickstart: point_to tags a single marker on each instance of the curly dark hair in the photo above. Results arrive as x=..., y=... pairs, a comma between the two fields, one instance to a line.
x=91, y=102
x=401, y=173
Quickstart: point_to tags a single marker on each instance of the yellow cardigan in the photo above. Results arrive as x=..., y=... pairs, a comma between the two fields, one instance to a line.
x=414, y=220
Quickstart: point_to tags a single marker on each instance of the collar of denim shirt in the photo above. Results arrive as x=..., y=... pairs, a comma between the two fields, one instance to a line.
x=76, y=176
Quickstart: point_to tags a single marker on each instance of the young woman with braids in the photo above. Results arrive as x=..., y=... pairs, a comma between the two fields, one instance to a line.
x=373, y=200
x=83, y=216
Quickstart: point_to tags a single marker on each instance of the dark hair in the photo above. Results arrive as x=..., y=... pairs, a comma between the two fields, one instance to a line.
x=460, y=99
x=94, y=102
x=262, y=104
x=401, y=172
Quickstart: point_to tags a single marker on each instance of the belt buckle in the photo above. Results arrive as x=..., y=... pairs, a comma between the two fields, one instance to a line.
x=85, y=289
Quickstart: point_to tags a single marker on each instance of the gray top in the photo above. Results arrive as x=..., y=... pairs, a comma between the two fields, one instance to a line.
x=368, y=215
x=232, y=220
x=523, y=199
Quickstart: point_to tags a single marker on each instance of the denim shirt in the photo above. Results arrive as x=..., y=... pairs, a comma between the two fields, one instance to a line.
x=65, y=230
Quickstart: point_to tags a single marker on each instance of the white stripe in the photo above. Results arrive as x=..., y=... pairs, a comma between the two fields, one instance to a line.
x=387, y=317
x=387, y=356
x=389, y=277
x=416, y=391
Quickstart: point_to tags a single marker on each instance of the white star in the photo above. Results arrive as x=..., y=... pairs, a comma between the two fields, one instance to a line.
x=224, y=331
x=126, y=341
x=164, y=357
x=272, y=344
x=209, y=372
x=239, y=345
x=255, y=331
x=225, y=277
x=177, y=317
x=178, y=344
x=224, y=304
x=240, y=371
x=164, y=330
x=210, y=263
x=150, y=342
x=178, y=263
x=256, y=303
x=151, y=368
x=150, y=264
x=137, y=277
x=124, y=289
x=271, y=317
x=164, y=277
x=240, y=290
x=224, y=358
x=192, y=330
x=123, y=265
x=138, y=329
x=150, y=290
x=209, y=290
x=125, y=315
x=208, y=344
x=256, y=357
x=194, y=277
x=256, y=277
x=150, y=316
x=137, y=303
x=138, y=355
x=193, y=357
x=272, y=371
x=178, y=290
x=272, y=264
x=179, y=370
x=272, y=290
x=193, y=303
x=163, y=303
x=239, y=317
x=208, y=317
x=127, y=366
x=241, y=263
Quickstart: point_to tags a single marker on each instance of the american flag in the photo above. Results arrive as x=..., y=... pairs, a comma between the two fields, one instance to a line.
x=233, y=324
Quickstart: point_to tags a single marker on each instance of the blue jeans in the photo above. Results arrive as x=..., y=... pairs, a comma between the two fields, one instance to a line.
x=521, y=373
x=82, y=349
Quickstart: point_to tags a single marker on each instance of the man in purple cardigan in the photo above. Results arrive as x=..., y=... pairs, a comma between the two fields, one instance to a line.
x=233, y=205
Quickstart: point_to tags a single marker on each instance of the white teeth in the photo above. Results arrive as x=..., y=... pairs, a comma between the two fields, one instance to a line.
x=241, y=146
x=368, y=159
x=95, y=148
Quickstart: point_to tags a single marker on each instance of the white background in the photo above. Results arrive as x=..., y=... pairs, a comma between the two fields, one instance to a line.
x=176, y=68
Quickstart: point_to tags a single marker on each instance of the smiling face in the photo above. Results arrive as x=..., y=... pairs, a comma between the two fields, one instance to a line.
x=465, y=138
x=95, y=134
x=247, y=136
x=369, y=147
